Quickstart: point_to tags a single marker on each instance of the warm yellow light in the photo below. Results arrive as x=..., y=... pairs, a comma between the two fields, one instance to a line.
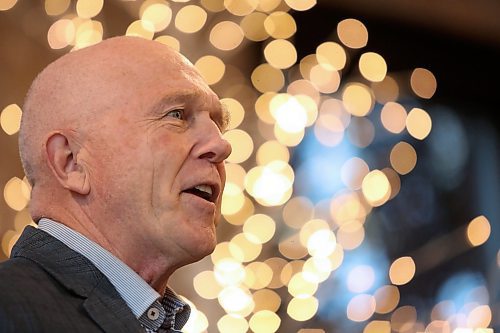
x=8, y=240
x=478, y=231
x=229, y=272
x=226, y=35
x=387, y=299
x=310, y=227
x=321, y=243
x=266, y=78
x=372, y=66
x=214, y=6
x=317, y=269
x=268, y=5
x=89, y=32
x=157, y=14
x=7, y=4
x=89, y=8
x=337, y=257
x=276, y=264
x=262, y=104
x=394, y=180
x=241, y=7
x=402, y=270
x=280, y=25
x=302, y=309
x=331, y=55
x=290, y=139
x=190, y=19
x=289, y=113
x=253, y=26
x=297, y=211
x=423, y=82
x=304, y=88
x=231, y=323
x=403, y=158
x=206, y=285
x=291, y=248
x=140, y=29
x=418, y=123
x=266, y=299
x=259, y=228
x=404, y=318
x=301, y=5
x=280, y=53
x=236, y=300
x=61, y=34
x=258, y=275
x=386, y=91
x=479, y=317
x=305, y=65
x=233, y=199
x=13, y=194
x=270, y=185
x=197, y=322
x=10, y=119
x=290, y=269
x=241, y=214
x=352, y=33
x=221, y=252
x=358, y=99
x=350, y=235
x=211, y=68
x=242, y=144
x=236, y=111
x=265, y=321
x=170, y=41
x=326, y=80
x=376, y=188
x=378, y=326
x=393, y=117
x=361, y=307
x=56, y=7
x=300, y=287
x=270, y=151
x=347, y=207
x=243, y=249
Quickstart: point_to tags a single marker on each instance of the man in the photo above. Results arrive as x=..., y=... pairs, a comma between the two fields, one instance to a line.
x=122, y=144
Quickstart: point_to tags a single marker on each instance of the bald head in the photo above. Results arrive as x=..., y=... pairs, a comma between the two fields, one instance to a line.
x=73, y=92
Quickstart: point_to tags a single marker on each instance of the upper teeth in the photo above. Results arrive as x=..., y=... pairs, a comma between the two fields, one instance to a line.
x=204, y=188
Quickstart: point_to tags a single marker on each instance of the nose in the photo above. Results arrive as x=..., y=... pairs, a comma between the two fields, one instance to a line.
x=210, y=143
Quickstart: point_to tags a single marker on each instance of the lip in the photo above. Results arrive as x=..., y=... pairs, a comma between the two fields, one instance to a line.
x=216, y=189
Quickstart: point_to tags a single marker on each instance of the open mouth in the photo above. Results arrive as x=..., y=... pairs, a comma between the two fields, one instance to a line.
x=203, y=191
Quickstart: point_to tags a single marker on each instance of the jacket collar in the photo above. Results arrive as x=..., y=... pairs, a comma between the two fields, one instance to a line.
x=77, y=274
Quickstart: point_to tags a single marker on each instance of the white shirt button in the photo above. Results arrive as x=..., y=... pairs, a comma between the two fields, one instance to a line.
x=153, y=313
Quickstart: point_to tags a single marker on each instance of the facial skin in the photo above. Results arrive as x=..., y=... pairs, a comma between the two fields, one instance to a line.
x=123, y=159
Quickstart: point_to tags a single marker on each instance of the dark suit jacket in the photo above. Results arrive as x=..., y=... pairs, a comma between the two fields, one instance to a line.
x=47, y=287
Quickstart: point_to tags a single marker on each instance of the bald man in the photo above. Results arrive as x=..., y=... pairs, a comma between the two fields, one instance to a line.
x=122, y=144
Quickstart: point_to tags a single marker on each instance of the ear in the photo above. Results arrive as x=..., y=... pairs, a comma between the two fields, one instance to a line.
x=62, y=159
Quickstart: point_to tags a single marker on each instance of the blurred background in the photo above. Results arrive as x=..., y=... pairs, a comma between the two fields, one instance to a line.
x=363, y=190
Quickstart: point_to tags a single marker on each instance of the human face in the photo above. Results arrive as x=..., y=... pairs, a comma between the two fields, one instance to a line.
x=160, y=167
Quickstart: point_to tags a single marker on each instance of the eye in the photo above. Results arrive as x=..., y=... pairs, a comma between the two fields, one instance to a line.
x=177, y=113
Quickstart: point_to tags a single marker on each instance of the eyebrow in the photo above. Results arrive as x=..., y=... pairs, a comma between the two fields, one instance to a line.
x=222, y=118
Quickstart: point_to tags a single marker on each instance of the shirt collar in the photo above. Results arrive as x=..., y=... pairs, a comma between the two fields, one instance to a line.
x=136, y=292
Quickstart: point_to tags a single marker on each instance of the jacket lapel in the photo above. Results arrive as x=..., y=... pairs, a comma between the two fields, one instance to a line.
x=77, y=274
